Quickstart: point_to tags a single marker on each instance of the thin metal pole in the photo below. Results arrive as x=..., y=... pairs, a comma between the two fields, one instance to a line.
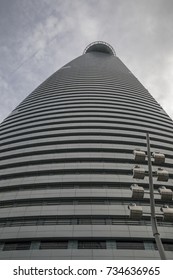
x=156, y=234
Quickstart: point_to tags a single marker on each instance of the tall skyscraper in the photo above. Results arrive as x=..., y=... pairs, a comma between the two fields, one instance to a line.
x=67, y=165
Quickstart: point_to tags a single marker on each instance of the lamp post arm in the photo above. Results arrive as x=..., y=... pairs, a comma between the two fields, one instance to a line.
x=152, y=204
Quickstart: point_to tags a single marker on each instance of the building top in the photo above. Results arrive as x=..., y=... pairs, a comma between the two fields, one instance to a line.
x=100, y=46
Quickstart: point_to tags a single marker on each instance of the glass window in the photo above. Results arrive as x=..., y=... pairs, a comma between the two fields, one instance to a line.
x=130, y=245
x=89, y=244
x=17, y=246
x=168, y=247
x=53, y=245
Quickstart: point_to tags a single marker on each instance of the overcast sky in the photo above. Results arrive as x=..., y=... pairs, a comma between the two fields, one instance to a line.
x=37, y=37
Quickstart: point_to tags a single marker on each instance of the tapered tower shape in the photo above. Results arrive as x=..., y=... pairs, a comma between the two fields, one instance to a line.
x=67, y=165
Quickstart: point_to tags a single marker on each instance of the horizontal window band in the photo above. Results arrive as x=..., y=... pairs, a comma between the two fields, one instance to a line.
x=68, y=141
x=73, y=160
x=62, y=143
x=88, y=107
x=90, y=116
x=59, y=151
x=76, y=201
x=94, y=243
x=74, y=185
x=114, y=117
x=70, y=150
x=128, y=127
x=91, y=133
x=139, y=113
x=79, y=106
x=65, y=161
x=80, y=166
x=78, y=85
x=63, y=91
x=112, y=87
x=73, y=99
x=88, y=120
x=75, y=220
x=79, y=141
x=44, y=98
x=76, y=171
x=116, y=99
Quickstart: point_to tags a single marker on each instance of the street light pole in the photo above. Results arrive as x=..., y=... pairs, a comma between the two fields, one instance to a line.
x=152, y=204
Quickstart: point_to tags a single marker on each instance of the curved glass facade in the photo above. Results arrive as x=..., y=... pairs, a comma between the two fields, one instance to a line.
x=66, y=165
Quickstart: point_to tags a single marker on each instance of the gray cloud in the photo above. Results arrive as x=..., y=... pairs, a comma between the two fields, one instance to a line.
x=38, y=37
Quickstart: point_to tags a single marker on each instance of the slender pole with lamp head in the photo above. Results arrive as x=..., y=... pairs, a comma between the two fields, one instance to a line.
x=152, y=205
